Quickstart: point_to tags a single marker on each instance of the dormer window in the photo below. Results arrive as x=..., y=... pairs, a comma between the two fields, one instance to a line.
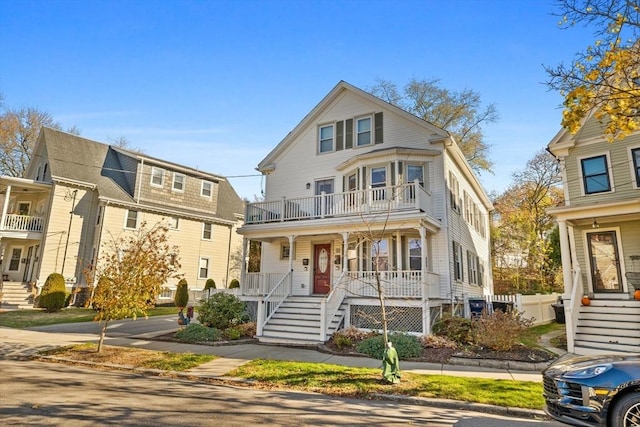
x=326, y=139
x=363, y=131
x=178, y=182
x=206, y=189
x=157, y=177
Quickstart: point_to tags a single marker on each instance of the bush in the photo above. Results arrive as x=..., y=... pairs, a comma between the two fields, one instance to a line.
x=198, y=333
x=457, y=329
x=210, y=284
x=221, y=311
x=499, y=331
x=233, y=333
x=181, y=297
x=54, y=293
x=407, y=346
x=234, y=284
x=350, y=336
x=436, y=341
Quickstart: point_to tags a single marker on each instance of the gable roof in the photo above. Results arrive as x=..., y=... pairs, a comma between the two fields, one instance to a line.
x=435, y=133
x=80, y=161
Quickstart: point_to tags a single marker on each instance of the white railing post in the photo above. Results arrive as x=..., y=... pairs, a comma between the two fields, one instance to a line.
x=260, y=321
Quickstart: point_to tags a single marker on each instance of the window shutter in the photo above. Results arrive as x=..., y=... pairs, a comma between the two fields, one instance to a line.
x=339, y=135
x=401, y=173
x=378, y=128
x=393, y=173
x=365, y=185
x=349, y=134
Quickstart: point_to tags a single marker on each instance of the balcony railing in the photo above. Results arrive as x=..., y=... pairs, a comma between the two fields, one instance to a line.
x=373, y=200
x=23, y=223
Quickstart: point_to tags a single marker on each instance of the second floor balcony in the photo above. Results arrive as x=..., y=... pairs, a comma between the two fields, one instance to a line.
x=352, y=203
x=12, y=222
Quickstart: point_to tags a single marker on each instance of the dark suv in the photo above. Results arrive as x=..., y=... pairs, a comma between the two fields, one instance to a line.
x=594, y=391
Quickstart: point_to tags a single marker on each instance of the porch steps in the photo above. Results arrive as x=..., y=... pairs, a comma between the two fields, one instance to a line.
x=16, y=295
x=297, y=321
x=608, y=326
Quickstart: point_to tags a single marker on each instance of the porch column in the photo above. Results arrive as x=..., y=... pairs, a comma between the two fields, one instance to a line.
x=565, y=253
x=345, y=247
x=292, y=251
x=243, y=271
x=398, y=251
x=426, y=315
x=5, y=207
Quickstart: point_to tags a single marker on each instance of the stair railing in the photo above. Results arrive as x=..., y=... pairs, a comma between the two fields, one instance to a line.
x=331, y=303
x=270, y=303
x=573, y=309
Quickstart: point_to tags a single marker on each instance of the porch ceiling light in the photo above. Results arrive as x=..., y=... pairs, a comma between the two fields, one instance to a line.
x=595, y=224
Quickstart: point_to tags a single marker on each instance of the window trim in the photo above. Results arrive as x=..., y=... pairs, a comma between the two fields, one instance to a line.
x=184, y=182
x=472, y=267
x=204, y=229
x=208, y=266
x=126, y=219
x=356, y=132
x=285, y=252
x=202, y=184
x=458, y=261
x=421, y=257
x=635, y=166
x=154, y=170
x=332, y=138
x=609, y=174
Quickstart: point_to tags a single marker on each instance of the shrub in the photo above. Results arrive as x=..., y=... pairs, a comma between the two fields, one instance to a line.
x=407, y=346
x=54, y=293
x=350, y=336
x=221, y=311
x=234, y=284
x=436, y=341
x=457, y=329
x=210, y=284
x=198, y=333
x=499, y=331
x=247, y=329
x=233, y=333
x=181, y=297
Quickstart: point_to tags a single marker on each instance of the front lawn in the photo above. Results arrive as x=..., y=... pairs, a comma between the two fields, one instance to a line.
x=29, y=318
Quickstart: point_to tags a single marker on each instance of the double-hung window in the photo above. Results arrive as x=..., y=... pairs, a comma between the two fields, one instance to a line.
x=285, y=252
x=131, y=220
x=203, y=270
x=380, y=255
x=415, y=255
x=457, y=261
x=207, y=231
x=378, y=182
x=178, y=182
x=472, y=264
x=635, y=154
x=326, y=139
x=207, y=189
x=595, y=175
x=363, y=131
x=157, y=176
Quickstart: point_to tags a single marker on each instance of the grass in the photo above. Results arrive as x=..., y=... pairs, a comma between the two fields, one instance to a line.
x=139, y=358
x=363, y=382
x=29, y=318
x=530, y=338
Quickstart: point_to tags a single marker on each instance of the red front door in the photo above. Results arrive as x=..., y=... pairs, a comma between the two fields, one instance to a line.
x=321, y=269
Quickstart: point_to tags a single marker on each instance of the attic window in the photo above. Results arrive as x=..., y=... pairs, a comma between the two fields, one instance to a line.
x=178, y=182
x=363, y=129
x=326, y=139
x=206, y=189
x=157, y=177
x=595, y=174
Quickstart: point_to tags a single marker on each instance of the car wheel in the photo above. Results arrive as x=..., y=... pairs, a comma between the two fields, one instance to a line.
x=626, y=412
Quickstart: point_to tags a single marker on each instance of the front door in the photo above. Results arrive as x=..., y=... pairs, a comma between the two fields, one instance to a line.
x=322, y=269
x=605, y=265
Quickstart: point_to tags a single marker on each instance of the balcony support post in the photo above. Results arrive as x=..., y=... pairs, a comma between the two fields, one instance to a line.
x=5, y=207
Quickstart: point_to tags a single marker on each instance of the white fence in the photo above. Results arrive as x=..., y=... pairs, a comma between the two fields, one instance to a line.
x=537, y=307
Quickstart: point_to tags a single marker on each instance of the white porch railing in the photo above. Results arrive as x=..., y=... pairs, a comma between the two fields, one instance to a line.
x=22, y=223
x=330, y=305
x=268, y=306
x=373, y=200
x=260, y=283
x=394, y=284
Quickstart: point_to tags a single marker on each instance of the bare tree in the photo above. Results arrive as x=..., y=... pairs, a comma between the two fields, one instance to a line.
x=19, y=130
x=459, y=113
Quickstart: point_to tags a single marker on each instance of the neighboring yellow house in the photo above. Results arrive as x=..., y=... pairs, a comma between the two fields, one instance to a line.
x=600, y=239
x=77, y=195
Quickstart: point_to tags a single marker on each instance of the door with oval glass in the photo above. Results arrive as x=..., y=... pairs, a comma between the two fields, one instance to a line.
x=322, y=269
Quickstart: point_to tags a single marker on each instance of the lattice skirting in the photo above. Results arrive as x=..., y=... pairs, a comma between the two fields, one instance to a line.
x=399, y=319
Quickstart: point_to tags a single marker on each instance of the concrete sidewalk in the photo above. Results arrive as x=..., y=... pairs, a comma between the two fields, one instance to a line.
x=20, y=343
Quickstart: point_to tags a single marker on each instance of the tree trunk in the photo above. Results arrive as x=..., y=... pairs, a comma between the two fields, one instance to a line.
x=103, y=332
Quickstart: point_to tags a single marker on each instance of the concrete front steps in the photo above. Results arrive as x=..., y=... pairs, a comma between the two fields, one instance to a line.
x=16, y=295
x=608, y=326
x=297, y=321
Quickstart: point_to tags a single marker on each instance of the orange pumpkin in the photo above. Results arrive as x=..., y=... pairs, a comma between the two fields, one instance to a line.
x=636, y=294
x=586, y=300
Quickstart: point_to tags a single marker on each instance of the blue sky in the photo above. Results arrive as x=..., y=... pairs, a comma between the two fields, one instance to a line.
x=217, y=84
